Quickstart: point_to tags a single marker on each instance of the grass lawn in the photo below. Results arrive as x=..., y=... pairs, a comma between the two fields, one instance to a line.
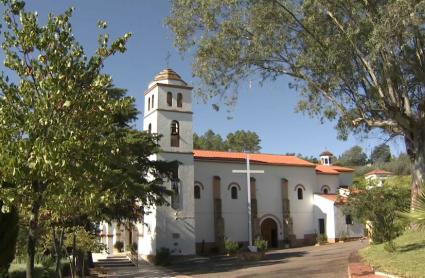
x=408, y=259
x=18, y=270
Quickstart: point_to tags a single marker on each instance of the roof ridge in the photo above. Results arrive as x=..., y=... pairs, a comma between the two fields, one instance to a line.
x=273, y=154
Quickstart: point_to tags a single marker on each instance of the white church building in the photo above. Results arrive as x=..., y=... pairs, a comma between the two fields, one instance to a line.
x=292, y=202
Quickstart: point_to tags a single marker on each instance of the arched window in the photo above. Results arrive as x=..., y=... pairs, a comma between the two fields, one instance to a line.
x=153, y=97
x=234, y=192
x=300, y=193
x=169, y=98
x=150, y=128
x=149, y=104
x=325, y=189
x=175, y=134
x=179, y=100
x=197, y=192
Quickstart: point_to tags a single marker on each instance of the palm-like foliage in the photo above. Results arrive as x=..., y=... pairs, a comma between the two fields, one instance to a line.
x=417, y=215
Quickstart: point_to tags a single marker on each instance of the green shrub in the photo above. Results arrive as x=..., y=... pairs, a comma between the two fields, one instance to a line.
x=119, y=245
x=162, y=256
x=343, y=236
x=321, y=238
x=380, y=206
x=390, y=246
x=231, y=246
x=131, y=247
x=261, y=244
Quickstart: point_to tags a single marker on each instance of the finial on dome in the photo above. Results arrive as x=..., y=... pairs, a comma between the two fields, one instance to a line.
x=168, y=74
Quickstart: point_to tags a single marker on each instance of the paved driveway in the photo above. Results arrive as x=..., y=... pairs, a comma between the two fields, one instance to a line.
x=312, y=261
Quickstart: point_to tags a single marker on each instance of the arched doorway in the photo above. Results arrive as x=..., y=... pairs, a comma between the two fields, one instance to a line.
x=269, y=232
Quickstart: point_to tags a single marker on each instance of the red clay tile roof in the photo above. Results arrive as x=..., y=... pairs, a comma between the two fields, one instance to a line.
x=325, y=170
x=337, y=199
x=257, y=158
x=342, y=169
x=331, y=170
x=379, y=172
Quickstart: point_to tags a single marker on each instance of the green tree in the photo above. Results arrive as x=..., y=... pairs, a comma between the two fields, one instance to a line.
x=352, y=157
x=57, y=126
x=243, y=141
x=208, y=141
x=380, y=206
x=399, y=165
x=9, y=227
x=358, y=62
x=381, y=154
x=122, y=194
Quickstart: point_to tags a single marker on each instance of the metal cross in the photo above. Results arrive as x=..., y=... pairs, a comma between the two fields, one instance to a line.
x=248, y=173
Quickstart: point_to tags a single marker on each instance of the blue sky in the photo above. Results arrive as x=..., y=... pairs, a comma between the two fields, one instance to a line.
x=267, y=110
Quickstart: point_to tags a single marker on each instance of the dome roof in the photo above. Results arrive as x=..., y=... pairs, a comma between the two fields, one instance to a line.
x=326, y=153
x=168, y=74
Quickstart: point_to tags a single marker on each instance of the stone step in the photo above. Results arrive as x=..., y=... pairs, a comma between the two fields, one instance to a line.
x=115, y=261
x=108, y=265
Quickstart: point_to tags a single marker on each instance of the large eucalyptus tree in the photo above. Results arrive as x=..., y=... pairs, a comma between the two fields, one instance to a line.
x=359, y=62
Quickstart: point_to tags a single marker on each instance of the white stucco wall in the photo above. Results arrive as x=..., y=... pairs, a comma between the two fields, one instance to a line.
x=269, y=198
x=330, y=180
x=175, y=228
x=324, y=208
x=341, y=228
x=335, y=221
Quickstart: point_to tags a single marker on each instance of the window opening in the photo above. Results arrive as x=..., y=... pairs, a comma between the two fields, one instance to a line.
x=175, y=134
x=169, y=98
x=197, y=192
x=300, y=193
x=234, y=192
x=179, y=100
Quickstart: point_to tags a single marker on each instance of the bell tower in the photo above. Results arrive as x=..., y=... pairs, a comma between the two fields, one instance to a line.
x=326, y=158
x=168, y=112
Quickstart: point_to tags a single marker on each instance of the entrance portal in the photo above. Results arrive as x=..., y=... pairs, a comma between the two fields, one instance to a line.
x=269, y=232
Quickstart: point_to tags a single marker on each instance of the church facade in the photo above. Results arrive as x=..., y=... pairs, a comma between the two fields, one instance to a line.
x=292, y=202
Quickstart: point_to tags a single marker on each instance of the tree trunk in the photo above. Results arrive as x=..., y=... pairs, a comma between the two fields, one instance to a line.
x=58, y=243
x=32, y=237
x=415, y=147
x=74, y=254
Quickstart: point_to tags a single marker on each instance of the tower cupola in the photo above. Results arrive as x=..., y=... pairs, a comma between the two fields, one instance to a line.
x=326, y=158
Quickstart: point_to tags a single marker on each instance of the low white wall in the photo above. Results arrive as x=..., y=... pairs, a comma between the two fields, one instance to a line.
x=349, y=230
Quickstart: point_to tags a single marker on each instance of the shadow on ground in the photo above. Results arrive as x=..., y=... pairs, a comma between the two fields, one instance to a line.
x=411, y=247
x=202, y=265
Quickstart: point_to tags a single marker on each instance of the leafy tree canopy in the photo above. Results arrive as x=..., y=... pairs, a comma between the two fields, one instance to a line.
x=352, y=157
x=238, y=141
x=208, y=141
x=67, y=149
x=380, y=205
x=360, y=63
x=243, y=141
x=380, y=154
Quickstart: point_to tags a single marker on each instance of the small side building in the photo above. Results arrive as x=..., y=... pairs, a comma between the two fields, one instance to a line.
x=377, y=177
